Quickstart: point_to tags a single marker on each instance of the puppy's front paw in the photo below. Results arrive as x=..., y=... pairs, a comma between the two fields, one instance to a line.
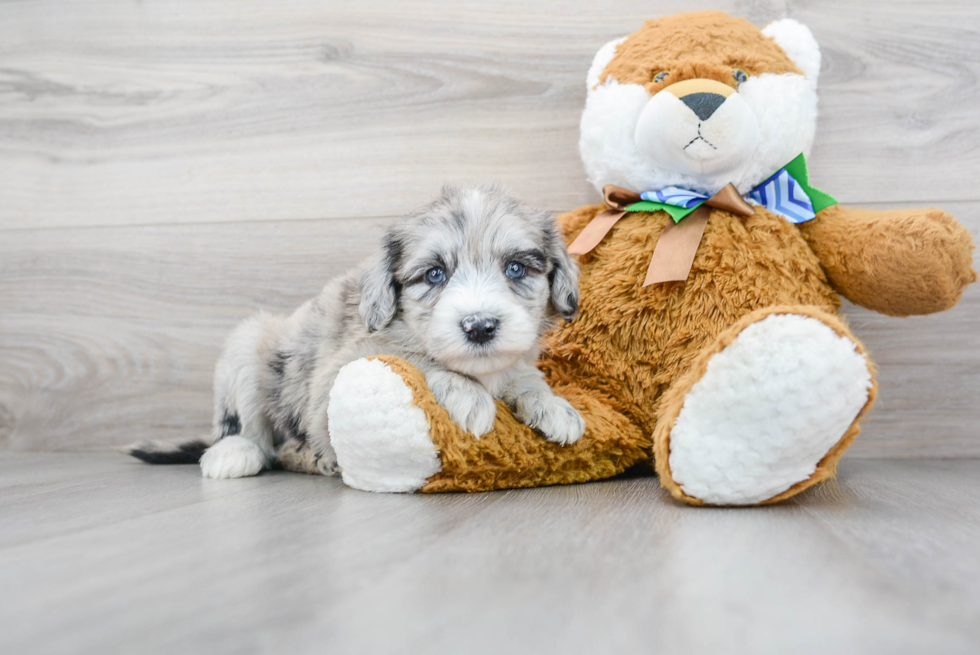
x=474, y=412
x=554, y=417
x=469, y=405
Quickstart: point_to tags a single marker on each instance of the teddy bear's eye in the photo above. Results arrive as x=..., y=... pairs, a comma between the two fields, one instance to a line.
x=739, y=75
x=660, y=77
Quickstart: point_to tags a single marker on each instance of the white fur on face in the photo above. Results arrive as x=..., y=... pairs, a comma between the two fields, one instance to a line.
x=486, y=292
x=669, y=133
x=474, y=254
x=785, y=107
x=644, y=143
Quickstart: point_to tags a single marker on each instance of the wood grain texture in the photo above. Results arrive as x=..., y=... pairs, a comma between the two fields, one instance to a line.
x=102, y=554
x=197, y=110
x=168, y=168
x=111, y=334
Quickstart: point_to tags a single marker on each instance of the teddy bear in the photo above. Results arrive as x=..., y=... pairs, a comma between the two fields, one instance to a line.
x=708, y=341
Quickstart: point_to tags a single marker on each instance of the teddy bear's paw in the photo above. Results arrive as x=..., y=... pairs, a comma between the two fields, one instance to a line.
x=381, y=437
x=553, y=417
x=766, y=411
x=468, y=403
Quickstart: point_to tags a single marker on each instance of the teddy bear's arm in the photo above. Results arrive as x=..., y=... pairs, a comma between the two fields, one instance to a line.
x=898, y=262
x=391, y=435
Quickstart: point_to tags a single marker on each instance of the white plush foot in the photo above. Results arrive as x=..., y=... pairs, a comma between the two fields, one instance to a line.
x=767, y=410
x=382, y=439
x=232, y=457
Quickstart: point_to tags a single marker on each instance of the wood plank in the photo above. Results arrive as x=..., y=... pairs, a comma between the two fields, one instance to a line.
x=104, y=554
x=194, y=110
x=109, y=335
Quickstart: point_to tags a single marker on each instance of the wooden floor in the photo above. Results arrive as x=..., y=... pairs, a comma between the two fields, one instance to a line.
x=102, y=554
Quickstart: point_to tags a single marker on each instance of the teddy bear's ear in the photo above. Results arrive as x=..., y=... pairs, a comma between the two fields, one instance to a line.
x=600, y=61
x=797, y=41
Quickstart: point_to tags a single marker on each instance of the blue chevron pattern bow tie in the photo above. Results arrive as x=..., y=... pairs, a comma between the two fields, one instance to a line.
x=780, y=194
x=787, y=193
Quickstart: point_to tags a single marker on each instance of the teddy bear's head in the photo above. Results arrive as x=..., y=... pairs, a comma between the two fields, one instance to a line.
x=700, y=100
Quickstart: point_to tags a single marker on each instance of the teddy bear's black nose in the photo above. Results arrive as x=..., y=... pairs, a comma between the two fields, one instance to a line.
x=703, y=104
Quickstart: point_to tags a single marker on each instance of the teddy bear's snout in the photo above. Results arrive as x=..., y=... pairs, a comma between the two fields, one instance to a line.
x=703, y=104
x=702, y=96
x=698, y=126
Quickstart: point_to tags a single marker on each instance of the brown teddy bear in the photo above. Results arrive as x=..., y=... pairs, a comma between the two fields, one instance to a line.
x=708, y=339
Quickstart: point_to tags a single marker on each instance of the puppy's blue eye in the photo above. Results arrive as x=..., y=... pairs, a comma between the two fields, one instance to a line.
x=435, y=276
x=515, y=270
x=739, y=75
x=660, y=77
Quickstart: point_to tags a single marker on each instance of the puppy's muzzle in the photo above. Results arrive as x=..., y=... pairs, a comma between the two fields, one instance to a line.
x=479, y=328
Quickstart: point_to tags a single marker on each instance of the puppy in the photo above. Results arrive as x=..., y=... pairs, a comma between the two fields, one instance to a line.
x=463, y=289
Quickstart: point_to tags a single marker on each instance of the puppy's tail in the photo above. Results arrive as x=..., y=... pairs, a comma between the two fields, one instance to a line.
x=153, y=452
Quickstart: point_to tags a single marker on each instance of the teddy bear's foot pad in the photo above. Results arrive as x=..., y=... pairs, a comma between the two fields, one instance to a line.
x=381, y=437
x=768, y=408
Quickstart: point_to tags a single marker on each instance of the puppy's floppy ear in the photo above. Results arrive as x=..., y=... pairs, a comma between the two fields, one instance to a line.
x=379, y=289
x=564, y=273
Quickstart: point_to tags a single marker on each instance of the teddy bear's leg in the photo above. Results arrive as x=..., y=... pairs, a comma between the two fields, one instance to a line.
x=391, y=435
x=381, y=436
x=765, y=411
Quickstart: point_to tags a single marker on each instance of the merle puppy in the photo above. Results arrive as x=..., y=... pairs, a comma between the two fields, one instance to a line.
x=463, y=289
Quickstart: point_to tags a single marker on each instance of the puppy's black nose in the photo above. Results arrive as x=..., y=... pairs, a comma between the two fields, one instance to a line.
x=479, y=329
x=703, y=104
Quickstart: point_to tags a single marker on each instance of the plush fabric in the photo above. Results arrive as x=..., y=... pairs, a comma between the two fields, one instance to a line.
x=673, y=402
x=630, y=342
x=703, y=45
x=898, y=262
x=741, y=385
x=626, y=119
x=387, y=430
x=380, y=429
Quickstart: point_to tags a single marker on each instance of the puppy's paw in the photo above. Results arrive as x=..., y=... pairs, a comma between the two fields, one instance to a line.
x=554, y=417
x=474, y=412
x=328, y=466
x=232, y=457
x=469, y=405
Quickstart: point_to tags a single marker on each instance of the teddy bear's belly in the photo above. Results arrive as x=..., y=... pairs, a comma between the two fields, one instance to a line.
x=629, y=342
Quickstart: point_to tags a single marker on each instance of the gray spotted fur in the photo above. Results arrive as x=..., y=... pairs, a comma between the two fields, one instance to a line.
x=273, y=380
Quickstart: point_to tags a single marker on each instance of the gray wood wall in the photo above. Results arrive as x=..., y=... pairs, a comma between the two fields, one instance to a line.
x=166, y=168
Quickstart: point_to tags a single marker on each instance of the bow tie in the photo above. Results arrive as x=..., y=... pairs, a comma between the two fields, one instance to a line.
x=786, y=193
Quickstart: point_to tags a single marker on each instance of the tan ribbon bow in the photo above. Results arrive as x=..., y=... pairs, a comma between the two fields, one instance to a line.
x=674, y=254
